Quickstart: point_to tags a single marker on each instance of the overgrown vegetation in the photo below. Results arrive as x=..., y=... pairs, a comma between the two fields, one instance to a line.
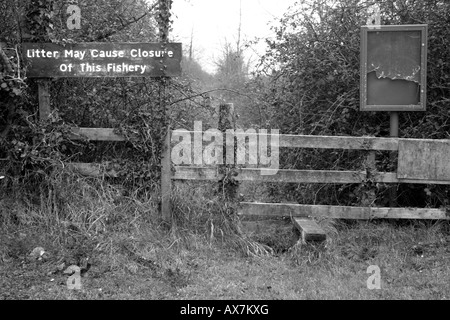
x=42, y=194
x=307, y=83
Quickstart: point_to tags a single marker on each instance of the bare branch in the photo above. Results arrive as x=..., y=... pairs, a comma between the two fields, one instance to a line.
x=5, y=61
x=125, y=24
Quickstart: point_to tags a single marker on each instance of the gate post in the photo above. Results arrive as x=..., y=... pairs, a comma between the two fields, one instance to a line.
x=393, y=132
x=166, y=179
x=227, y=121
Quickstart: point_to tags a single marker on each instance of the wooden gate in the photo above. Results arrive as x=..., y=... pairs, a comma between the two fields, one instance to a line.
x=420, y=161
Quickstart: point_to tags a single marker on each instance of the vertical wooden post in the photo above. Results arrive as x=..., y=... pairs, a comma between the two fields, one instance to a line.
x=393, y=132
x=44, y=99
x=227, y=121
x=166, y=180
x=371, y=168
x=373, y=19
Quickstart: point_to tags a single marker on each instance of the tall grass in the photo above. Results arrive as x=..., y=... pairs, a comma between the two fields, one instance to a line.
x=78, y=216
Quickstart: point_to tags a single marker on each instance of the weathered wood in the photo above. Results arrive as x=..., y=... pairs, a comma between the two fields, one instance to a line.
x=338, y=142
x=424, y=159
x=338, y=212
x=393, y=179
x=166, y=163
x=369, y=193
x=328, y=142
x=251, y=174
x=296, y=176
x=310, y=230
x=320, y=176
x=324, y=142
x=196, y=173
x=166, y=180
x=393, y=132
x=97, y=134
x=301, y=176
x=44, y=99
x=227, y=121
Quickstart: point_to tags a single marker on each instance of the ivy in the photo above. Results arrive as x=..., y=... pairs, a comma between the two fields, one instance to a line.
x=39, y=19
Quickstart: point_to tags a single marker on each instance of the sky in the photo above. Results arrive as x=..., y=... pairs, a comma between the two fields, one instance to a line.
x=215, y=22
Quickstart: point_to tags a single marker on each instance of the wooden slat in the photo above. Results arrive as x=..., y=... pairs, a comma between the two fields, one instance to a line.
x=251, y=174
x=300, y=176
x=294, y=141
x=424, y=159
x=309, y=229
x=417, y=181
x=338, y=212
x=329, y=142
x=246, y=174
x=295, y=176
x=316, y=176
x=97, y=134
x=338, y=142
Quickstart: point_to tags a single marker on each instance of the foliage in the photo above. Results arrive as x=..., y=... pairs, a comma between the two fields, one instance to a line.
x=308, y=81
x=36, y=154
x=135, y=107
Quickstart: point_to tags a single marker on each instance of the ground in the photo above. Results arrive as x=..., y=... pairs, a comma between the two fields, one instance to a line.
x=413, y=259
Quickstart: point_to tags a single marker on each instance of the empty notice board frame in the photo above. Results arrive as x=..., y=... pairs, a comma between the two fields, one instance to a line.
x=393, y=68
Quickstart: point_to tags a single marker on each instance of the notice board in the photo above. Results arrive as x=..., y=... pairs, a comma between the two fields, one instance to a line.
x=393, y=68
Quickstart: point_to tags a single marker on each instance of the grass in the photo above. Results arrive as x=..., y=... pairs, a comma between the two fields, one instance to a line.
x=134, y=255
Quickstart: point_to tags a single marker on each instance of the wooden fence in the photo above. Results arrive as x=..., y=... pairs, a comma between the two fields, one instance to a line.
x=329, y=176
x=421, y=161
x=319, y=176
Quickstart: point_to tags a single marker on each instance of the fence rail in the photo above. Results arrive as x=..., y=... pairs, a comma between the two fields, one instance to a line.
x=339, y=212
x=286, y=140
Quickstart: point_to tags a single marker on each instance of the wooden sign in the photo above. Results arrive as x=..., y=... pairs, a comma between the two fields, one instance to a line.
x=393, y=68
x=48, y=60
x=424, y=159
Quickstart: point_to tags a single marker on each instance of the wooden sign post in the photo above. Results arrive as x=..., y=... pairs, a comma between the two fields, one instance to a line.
x=166, y=163
x=159, y=60
x=44, y=99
